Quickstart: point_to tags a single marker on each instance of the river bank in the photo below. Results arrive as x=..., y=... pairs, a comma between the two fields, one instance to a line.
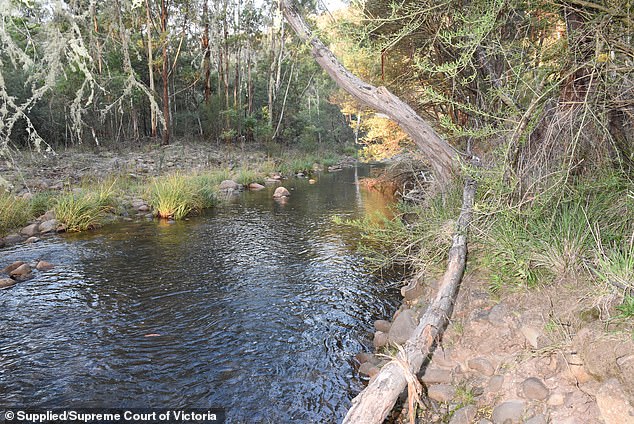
x=75, y=189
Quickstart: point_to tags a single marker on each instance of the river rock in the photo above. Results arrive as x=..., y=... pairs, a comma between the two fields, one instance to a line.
x=437, y=376
x=413, y=290
x=50, y=214
x=281, y=192
x=256, y=187
x=10, y=268
x=481, y=365
x=32, y=239
x=48, y=226
x=534, y=388
x=380, y=339
x=30, y=230
x=13, y=238
x=402, y=327
x=537, y=419
x=44, y=266
x=369, y=369
x=229, y=185
x=2, y=242
x=363, y=357
x=441, y=392
x=613, y=403
x=5, y=283
x=311, y=181
x=382, y=325
x=509, y=412
x=464, y=415
x=20, y=272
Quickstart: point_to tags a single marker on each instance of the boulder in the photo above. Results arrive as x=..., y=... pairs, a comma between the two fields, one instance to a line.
x=534, y=388
x=613, y=403
x=281, y=192
x=44, y=266
x=5, y=283
x=402, y=327
x=382, y=325
x=256, y=187
x=30, y=230
x=229, y=185
x=509, y=412
x=48, y=226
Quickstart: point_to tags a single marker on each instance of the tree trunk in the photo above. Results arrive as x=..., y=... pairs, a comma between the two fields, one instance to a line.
x=206, y=53
x=441, y=155
x=165, y=75
x=150, y=66
x=376, y=401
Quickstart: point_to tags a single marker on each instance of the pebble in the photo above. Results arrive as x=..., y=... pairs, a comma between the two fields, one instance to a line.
x=509, y=412
x=481, y=365
x=534, y=388
x=441, y=392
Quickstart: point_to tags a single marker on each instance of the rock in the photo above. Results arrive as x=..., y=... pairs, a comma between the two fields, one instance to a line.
x=10, y=268
x=509, y=412
x=498, y=315
x=256, y=187
x=614, y=405
x=532, y=336
x=442, y=358
x=464, y=415
x=21, y=271
x=32, y=240
x=380, y=339
x=363, y=357
x=229, y=185
x=534, y=388
x=441, y=392
x=5, y=283
x=484, y=421
x=382, y=325
x=13, y=238
x=48, y=226
x=2, y=242
x=269, y=181
x=481, y=365
x=143, y=208
x=437, y=376
x=311, y=181
x=369, y=369
x=402, y=327
x=413, y=290
x=30, y=230
x=300, y=175
x=556, y=399
x=495, y=383
x=48, y=215
x=537, y=419
x=281, y=192
x=44, y=266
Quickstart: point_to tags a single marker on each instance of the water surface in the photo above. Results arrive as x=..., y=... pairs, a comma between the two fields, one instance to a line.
x=257, y=307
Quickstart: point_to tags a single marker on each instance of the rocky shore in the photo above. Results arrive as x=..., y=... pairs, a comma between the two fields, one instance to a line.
x=531, y=357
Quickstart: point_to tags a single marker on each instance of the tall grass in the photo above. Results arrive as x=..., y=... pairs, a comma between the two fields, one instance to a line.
x=14, y=212
x=83, y=210
x=174, y=196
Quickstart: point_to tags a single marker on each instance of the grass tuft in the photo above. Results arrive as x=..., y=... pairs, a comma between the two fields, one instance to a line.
x=14, y=212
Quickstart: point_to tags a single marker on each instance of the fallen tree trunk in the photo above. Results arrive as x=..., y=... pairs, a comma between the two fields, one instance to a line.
x=376, y=401
x=442, y=156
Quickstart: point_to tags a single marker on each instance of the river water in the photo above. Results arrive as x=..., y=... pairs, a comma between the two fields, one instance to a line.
x=257, y=307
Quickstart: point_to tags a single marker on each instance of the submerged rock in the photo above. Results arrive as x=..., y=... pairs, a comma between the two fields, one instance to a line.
x=10, y=268
x=281, y=192
x=44, y=266
x=256, y=187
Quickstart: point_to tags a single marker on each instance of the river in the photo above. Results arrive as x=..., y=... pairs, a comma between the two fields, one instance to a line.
x=257, y=307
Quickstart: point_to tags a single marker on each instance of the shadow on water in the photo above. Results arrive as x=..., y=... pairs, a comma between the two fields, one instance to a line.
x=257, y=307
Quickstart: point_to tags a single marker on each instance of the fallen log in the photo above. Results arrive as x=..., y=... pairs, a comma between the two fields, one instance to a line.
x=376, y=401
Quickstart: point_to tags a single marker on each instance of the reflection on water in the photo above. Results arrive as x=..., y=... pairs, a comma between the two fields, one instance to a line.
x=257, y=307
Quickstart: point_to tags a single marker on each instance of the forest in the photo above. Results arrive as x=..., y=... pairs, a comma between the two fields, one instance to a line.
x=512, y=120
